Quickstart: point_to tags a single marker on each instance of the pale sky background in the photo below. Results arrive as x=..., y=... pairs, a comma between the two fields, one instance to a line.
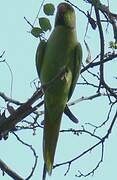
x=20, y=47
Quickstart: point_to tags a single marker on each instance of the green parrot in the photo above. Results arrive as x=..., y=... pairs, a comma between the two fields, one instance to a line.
x=58, y=63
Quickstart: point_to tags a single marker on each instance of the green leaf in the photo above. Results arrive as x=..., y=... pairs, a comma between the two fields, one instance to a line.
x=45, y=24
x=36, y=31
x=49, y=9
x=113, y=45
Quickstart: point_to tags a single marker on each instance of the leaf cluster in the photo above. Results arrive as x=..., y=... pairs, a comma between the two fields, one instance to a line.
x=44, y=22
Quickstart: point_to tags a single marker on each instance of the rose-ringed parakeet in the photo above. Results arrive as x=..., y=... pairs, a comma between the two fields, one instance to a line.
x=58, y=63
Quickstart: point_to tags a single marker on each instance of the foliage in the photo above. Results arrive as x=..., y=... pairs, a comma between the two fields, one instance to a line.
x=44, y=22
x=49, y=9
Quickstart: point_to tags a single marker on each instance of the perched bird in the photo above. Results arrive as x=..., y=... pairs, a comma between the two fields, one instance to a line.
x=58, y=63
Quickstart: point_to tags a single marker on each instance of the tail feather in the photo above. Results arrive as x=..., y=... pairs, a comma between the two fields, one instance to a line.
x=50, y=138
x=48, y=162
x=70, y=115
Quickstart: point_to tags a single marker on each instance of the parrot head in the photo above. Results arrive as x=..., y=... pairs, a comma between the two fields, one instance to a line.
x=65, y=16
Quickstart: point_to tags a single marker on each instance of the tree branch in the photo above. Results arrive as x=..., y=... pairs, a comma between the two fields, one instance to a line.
x=9, y=171
x=10, y=100
x=91, y=65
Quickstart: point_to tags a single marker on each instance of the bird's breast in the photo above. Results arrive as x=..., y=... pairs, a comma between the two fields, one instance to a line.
x=59, y=52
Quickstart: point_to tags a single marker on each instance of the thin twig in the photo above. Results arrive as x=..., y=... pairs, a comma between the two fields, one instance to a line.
x=38, y=12
x=101, y=141
x=34, y=153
